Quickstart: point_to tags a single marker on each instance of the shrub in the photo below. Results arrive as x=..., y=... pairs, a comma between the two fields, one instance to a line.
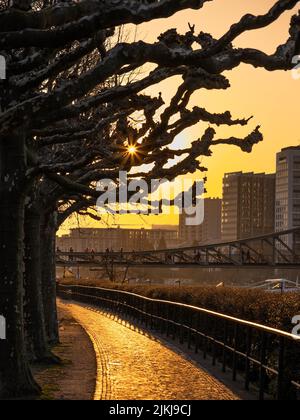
x=272, y=309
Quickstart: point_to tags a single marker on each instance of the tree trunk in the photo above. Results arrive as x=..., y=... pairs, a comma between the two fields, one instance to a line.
x=15, y=375
x=49, y=278
x=34, y=308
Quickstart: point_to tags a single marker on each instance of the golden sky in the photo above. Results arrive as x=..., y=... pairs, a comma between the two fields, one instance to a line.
x=271, y=97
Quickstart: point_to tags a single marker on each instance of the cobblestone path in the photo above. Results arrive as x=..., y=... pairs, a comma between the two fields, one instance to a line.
x=133, y=365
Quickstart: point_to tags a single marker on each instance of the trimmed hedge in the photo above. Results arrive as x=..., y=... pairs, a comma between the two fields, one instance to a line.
x=272, y=309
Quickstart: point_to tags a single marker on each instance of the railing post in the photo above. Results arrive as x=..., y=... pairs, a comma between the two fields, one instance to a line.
x=224, y=347
x=262, y=372
x=214, y=356
x=197, y=336
x=190, y=332
x=160, y=322
x=151, y=316
x=168, y=318
x=146, y=312
x=234, y=362
x=248, y=355
x=281, y=367
x=181, y=338
x=205, y=339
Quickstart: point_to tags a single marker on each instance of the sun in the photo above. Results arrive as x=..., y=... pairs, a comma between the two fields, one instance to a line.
x=132, y=150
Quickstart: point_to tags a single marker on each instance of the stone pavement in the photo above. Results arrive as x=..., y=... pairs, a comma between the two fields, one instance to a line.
x=133, y=365
x=74, y=378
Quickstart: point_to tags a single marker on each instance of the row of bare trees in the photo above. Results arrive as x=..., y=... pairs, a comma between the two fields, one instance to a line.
x=73, y=102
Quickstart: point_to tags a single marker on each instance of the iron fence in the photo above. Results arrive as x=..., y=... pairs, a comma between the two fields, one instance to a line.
x=267, y=359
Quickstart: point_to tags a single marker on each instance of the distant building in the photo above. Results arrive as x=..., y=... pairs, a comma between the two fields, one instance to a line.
x=165, y=227
x=287, y=208
x=209, y=231
x=116, y=238
x=248, y=208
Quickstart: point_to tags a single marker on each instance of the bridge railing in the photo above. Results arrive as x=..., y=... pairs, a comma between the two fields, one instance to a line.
x=266, y=359
x=254, y=252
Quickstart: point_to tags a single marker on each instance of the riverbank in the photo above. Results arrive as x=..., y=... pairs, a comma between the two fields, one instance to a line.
x=75, y=377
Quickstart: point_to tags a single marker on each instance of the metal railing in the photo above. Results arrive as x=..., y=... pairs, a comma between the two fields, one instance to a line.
x=267, y=359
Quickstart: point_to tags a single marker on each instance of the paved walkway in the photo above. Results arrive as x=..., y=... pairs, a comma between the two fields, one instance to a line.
x=133, y=365
x=74, y=378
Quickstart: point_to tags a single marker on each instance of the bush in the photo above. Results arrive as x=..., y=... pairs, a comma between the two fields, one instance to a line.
x=272, y=309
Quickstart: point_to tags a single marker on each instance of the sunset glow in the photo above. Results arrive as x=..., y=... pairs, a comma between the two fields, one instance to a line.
x=253, y=92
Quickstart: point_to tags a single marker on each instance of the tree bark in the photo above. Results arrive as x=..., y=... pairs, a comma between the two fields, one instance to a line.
x=34, y=308
x=15, y=375
x=48, y=250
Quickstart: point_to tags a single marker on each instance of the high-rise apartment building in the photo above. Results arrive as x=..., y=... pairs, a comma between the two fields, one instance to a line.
x=287, y=205
x=248, y=205
x=209, y=231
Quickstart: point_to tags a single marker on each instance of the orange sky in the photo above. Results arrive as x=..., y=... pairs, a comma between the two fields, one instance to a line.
x=272, y=98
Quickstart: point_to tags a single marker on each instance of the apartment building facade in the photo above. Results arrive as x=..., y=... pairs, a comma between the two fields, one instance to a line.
x=248, y=207
x=287, y=203
x=209, y=231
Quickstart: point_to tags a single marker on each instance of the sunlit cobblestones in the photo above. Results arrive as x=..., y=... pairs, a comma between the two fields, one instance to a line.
x=132, y=365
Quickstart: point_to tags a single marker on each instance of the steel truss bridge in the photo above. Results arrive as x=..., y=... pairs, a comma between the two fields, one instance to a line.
x=266, y=251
